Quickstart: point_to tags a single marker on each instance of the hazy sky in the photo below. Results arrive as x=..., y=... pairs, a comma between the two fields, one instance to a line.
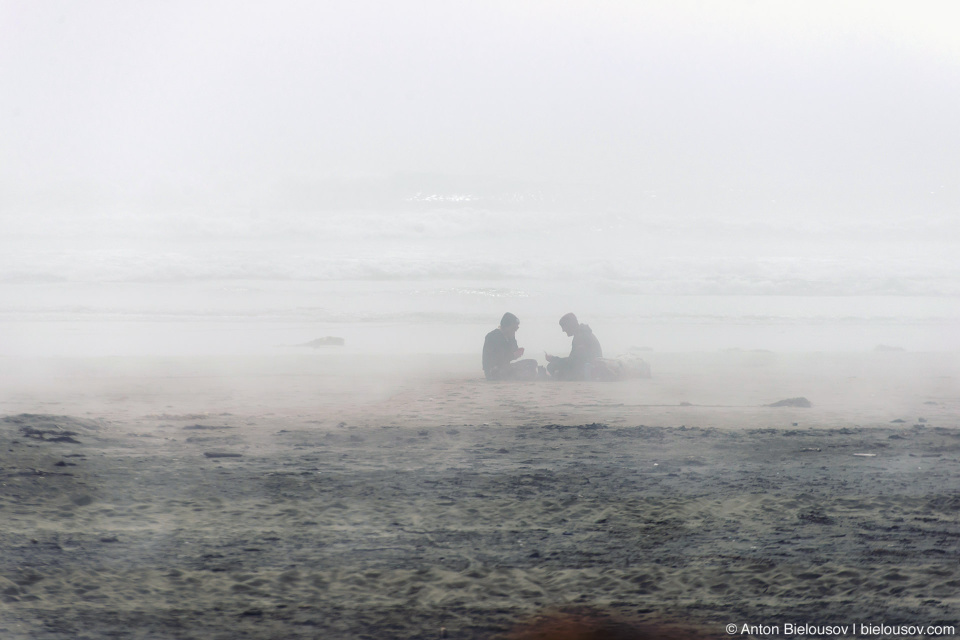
x=175, y=102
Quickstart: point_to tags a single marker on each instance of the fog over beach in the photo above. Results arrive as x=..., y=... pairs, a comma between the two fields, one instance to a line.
x=758, y=199
x=337, y=165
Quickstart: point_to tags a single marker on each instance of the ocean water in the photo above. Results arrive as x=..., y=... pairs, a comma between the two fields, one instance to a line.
x=435, y=276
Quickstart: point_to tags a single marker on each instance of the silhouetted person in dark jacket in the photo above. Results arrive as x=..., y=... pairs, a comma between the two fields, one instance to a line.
x=500, y=350
x=583, y=354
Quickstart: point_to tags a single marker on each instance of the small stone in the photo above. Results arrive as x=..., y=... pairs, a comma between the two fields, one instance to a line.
x=792, y=402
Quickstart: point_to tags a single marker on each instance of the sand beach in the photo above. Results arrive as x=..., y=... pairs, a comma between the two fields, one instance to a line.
x=330, y=497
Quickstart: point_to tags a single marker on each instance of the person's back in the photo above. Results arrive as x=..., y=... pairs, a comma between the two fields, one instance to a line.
x=585, y=347
x=500, y=349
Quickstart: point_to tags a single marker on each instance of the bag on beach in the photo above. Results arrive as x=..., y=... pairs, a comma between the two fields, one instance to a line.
x=622, y=368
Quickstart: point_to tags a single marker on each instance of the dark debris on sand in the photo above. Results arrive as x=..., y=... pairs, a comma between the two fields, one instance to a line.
x=50, y=428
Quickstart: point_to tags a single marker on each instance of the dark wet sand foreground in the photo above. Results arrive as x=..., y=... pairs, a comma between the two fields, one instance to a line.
x=289, y=525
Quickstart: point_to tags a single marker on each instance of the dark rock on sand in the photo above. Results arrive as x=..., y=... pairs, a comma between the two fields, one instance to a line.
x=886, y=347
x=327, y=341
x=792, y=402
x=593, y=426
x=205, y=427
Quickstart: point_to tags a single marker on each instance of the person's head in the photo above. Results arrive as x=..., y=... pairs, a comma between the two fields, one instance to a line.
x=509, y=323
x=569, y=324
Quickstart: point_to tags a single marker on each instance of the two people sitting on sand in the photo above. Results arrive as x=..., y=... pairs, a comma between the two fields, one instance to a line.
x=500, y=349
